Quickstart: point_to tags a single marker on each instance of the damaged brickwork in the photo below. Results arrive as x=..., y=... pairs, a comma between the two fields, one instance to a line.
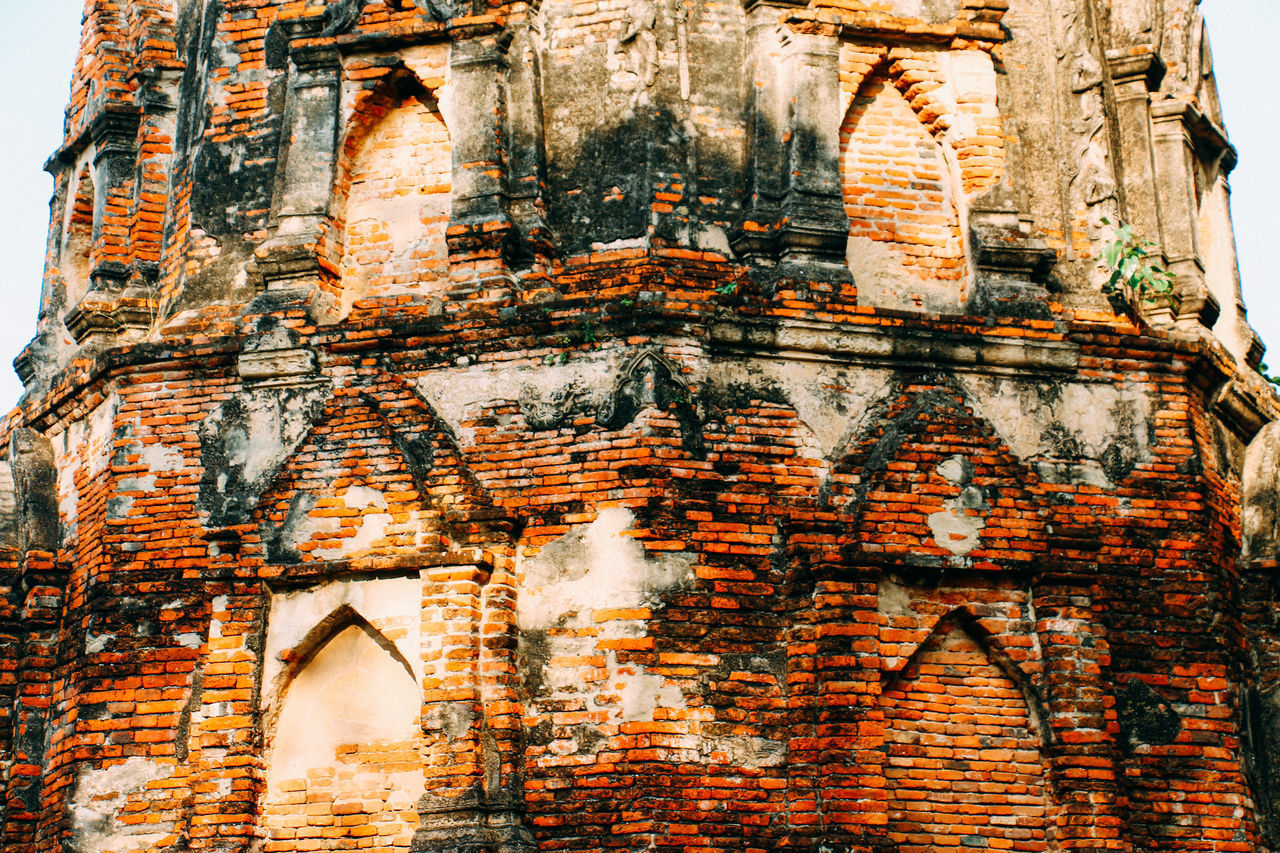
x=652, y=425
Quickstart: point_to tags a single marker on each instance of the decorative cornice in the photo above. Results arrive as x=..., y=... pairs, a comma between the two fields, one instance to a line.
x=884, y=27
x=811, y=340
x=304, y=41
x=1203, y=132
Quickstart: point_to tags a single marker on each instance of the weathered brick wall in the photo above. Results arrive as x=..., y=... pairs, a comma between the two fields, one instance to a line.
x=645, y=426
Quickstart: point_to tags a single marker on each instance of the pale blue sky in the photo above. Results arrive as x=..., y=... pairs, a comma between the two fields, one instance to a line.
x=37, y=63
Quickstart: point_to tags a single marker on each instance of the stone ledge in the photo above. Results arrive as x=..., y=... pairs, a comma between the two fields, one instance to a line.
x=841, y=343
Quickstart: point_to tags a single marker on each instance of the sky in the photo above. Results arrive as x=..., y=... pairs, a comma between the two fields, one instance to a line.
x=38, y=65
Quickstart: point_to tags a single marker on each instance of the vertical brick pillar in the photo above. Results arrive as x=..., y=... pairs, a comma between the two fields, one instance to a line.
x=226, y=775
x=804, y=816
x=849, y=730
x=835, y=790
x=452, y=809
x=40, y=596
x=471, y=713
x=503, y=736
x=767, y=122
x=814, y=225
x=309, y=144
x=115, y=161
x=1081, y=756
x=477, y=117
x=41, y=584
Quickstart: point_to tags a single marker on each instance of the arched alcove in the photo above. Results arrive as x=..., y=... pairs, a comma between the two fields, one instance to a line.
x=344, y=745
x=1260, y=495
x=75, y=256
x=906, y=248
x=399, y=195
x=963, y=763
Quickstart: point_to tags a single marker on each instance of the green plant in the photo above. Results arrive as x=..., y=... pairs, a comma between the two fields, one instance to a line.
x=727, y=289
x=1132, y=272
x=1264, y=371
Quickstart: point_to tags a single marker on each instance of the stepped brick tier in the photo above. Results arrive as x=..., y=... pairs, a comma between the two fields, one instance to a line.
x=639, y=425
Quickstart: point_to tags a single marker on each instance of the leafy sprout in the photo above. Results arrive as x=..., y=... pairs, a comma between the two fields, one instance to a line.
x=1132, y=272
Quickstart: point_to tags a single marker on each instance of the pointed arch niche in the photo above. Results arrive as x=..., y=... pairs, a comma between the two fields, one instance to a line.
x=906, y=248
x=963, y=757
x=397, y=182
x=75, y=254
x=342, y=711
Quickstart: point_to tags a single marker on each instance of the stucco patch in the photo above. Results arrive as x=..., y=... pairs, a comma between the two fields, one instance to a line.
x=96, y=803
x=957, y=526
x=580, y=581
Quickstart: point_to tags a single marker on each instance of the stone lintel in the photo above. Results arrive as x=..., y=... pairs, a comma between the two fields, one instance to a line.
x=114, y=132
x=750, y=6
x=1136, y=72
x=287, y=262
x=1239, y=410
x=276, y=364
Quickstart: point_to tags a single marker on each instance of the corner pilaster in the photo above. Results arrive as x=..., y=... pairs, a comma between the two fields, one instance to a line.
x=1176, y=190
x=766, y=126
x=480, y=224
x=290, y=260
x=814, y=225
x=1134, y=77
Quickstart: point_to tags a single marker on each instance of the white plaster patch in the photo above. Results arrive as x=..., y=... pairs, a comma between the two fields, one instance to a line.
x=596, y=568
x=159, y=458
x=270, y=427
x=98, y=799
x=740, y=751
x=95, y=643
x=641, y=694
x=138, y=484
x=8, y=499
x=956, y=532
x=452, y=394
x=68, y=500
x=712, y=239
x=883, y=280
x=971, y=73
x=100, y=435
x=970, y=78
x=219, y=605
x=958, y=525
x=892, y=598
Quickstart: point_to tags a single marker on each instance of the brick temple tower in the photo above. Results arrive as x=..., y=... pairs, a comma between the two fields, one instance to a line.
x=639, y=425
